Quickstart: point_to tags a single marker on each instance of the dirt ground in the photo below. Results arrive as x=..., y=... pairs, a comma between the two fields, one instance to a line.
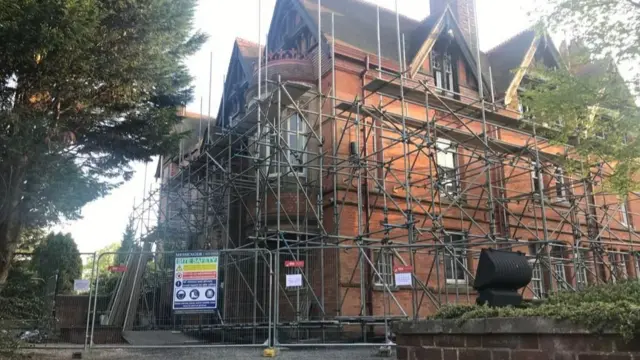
x=208, y=354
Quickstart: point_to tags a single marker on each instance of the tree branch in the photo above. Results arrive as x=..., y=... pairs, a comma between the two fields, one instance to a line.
x=633, y=3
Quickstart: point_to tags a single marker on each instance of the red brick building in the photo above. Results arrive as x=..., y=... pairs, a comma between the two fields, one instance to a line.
x=358, y=140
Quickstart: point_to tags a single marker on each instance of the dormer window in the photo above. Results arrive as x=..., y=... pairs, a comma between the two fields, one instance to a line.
x=442, y=69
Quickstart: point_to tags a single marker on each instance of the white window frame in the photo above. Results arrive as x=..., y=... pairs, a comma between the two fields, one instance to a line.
x=536, y=176
x=561, y=189
x=558, y=123
x=442, y=69
x=618, y=266
x=582, y=275
x=523, y=110
x=636, y=259
x=537, y=276
x=272, y=165
x=558, y=266
x=297, y=130
x=297, y=154
x=624, y=215
x=613, y=266
x=384, y=265
x=447, y=162
x=622, y=266
x=455, y=259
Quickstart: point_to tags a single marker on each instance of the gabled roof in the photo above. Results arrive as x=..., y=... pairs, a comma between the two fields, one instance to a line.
x=356, y=25
x=507, y=57
x=248, y=55
x=445, y=22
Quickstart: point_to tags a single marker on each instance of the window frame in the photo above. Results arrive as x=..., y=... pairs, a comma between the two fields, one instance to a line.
x=624, y=213
x=618, y=267
x=558, y=266
x=613, y=266
x=459, y=251
x=388, y=260
x=286, y=134
x=582, y=270
x=560, y=186
x=537, y=281
x=450, y=149
x=300, y=134
x=539, y=176
x=442, y=70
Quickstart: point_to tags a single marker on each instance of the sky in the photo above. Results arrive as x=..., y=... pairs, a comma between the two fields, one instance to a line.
x=104, y=220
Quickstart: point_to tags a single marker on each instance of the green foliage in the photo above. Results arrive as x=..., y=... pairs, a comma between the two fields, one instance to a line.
x=587, y=91
x=105, y=258
x=610, y=28
x=590, y=103
x=128, y=243
x=22, y=306
x=86, y=87
x=610, y=307
x=58, y=255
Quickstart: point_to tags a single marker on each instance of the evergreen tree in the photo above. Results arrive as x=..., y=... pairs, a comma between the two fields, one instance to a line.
x=58, y=255
x=128, y=243
x=86, y=87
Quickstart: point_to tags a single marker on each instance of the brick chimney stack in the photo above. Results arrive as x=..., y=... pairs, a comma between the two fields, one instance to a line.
x=465, y=14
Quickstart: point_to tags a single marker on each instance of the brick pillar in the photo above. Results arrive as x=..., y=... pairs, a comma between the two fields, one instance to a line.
x=465, y=14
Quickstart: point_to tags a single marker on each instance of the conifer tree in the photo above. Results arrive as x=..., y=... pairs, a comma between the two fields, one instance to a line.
x=86, y=87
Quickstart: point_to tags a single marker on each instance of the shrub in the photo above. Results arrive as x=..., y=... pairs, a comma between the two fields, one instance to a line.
x=614, y=307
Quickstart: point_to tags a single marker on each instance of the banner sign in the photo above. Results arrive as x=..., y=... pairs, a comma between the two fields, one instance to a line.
x=294, y=264
x=402, y=269
x=117, y=268
x=81, y=285
x=195, y=281
x=403, y=275
x=294, y=280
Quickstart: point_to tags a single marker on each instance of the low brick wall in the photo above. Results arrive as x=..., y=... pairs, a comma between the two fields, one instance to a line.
x=508, y=339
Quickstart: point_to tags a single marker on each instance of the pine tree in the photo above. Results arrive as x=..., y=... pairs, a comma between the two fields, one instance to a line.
x=127, y=245
x=86, y=87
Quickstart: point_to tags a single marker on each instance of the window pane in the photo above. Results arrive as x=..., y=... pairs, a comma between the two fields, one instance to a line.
x=536, y=276
x=445, y=155
x=455, y=259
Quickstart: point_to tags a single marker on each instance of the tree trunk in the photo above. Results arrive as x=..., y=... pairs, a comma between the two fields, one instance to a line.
x=10, y=221
x=9, y=236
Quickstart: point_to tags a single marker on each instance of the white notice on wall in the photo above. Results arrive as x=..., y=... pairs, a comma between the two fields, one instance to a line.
x=294, y=280
x=80, y=285
x=403, y=279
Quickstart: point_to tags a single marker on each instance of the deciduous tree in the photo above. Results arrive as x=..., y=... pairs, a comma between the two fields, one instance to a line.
x=594, y=103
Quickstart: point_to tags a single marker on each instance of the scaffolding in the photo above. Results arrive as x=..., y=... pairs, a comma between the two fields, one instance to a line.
x=401, y=175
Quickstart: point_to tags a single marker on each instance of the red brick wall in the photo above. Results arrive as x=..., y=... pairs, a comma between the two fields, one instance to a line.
x=515, y=346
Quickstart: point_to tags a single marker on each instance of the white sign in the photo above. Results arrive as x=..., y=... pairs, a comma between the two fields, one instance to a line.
x=80, y=285
x=195, y=281
x=403, y=279
x=294, y=280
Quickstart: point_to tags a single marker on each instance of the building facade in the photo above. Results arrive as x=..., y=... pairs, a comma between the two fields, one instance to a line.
x=357, y=144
